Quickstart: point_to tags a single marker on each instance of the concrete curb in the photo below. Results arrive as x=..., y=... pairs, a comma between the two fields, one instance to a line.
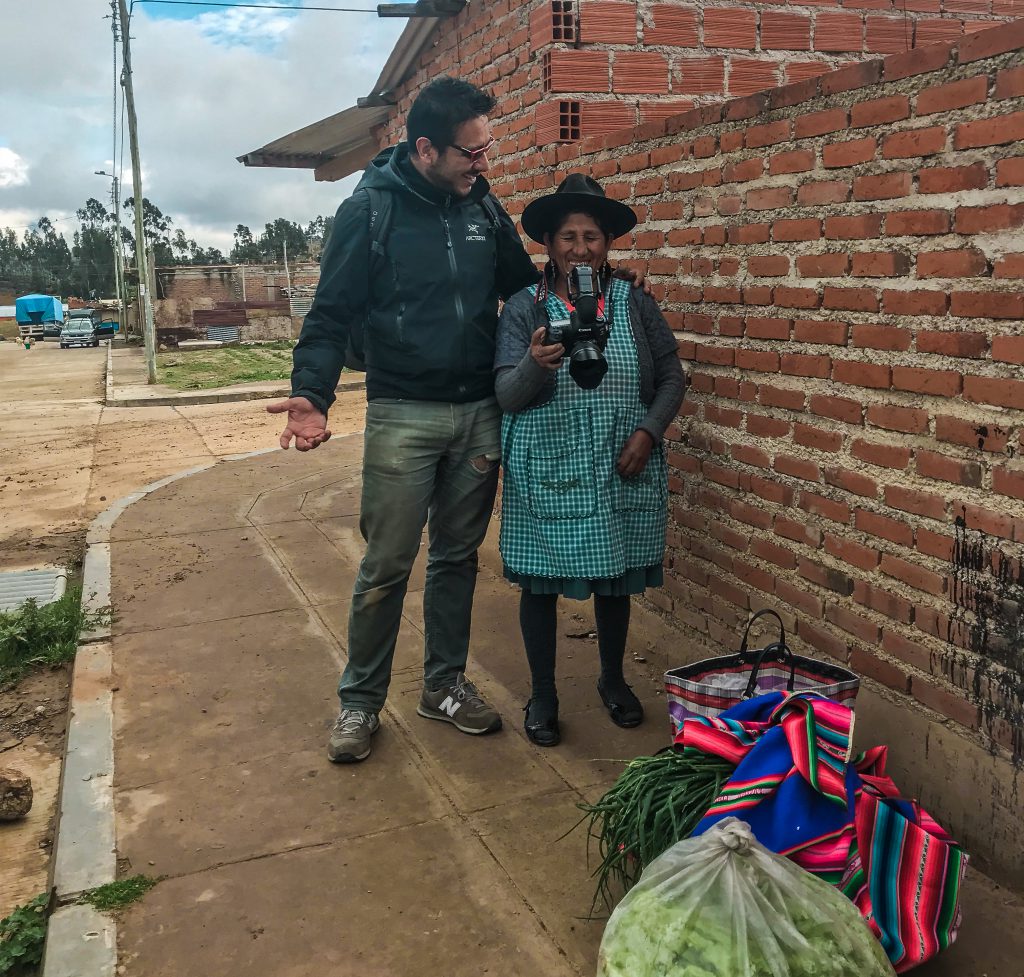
x=223, y=396
x=85, y=855
x=82, y=942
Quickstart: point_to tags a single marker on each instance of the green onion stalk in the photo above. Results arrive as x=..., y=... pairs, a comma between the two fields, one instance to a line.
x=657, y=801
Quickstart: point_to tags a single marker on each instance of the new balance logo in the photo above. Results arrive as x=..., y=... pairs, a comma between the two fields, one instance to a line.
x=450, y=706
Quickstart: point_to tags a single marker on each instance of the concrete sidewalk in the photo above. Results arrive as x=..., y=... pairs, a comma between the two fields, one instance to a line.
x=442, y=854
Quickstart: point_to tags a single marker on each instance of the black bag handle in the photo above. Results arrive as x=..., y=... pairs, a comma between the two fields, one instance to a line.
x=750, y=624
x=782, y=653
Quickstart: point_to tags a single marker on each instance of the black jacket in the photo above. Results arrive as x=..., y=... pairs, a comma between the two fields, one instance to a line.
x=430, y=306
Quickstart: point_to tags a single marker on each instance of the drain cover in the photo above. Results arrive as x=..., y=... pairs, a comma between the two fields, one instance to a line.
x=46, y=586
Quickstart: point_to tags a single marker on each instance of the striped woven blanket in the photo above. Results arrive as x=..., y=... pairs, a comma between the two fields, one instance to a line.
x=838, y=817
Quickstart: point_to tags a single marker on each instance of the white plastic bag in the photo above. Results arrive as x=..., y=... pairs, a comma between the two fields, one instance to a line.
x=722, y=905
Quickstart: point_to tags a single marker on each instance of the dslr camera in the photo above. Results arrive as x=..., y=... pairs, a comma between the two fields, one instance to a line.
x=585, y=335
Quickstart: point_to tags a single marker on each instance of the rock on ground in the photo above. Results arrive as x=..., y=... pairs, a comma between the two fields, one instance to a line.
x=15, y=795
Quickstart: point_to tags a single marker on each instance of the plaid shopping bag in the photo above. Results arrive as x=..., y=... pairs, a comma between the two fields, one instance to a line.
x=709, y=687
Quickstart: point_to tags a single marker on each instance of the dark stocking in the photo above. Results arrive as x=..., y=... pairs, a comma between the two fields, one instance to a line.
x=612, y=615
x=538, y=620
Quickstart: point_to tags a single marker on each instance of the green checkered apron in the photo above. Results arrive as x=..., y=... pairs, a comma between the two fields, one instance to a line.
x=566, y=513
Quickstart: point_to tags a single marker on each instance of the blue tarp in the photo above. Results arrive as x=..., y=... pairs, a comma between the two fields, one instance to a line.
x=38, y=309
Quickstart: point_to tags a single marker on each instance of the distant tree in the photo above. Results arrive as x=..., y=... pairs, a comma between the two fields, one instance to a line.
x=156, y=226
x=279, y=233
x=317, y=232
x=43, y=261
x=47, y=255
x=94, y=213
x=245, y=249
x=92, y=274
x=93, y=251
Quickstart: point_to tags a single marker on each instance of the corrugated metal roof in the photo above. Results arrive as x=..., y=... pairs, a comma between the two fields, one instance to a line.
x=316, y=144
x=349, y=131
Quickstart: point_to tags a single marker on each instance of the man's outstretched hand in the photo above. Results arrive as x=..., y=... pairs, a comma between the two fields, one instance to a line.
x=305, y=423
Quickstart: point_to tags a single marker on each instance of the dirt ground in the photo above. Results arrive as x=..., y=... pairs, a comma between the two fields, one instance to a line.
x=64, y=458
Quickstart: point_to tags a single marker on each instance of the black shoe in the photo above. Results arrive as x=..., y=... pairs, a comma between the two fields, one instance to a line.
x=542, y=723
x=622, y=705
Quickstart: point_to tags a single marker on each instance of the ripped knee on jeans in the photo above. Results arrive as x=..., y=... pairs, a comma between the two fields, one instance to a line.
x=486, y=462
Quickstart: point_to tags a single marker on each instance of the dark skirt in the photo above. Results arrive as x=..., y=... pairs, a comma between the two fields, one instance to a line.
x=634, y=581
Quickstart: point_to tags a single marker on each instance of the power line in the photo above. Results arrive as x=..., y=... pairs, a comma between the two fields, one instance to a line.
x=262, y=6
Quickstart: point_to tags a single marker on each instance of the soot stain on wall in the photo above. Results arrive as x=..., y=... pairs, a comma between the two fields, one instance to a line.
x=988, y=620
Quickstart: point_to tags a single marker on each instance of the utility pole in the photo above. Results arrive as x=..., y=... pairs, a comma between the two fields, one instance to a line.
x=141, y=262
x=119, y=258
x=115, y=202
x=115, y=187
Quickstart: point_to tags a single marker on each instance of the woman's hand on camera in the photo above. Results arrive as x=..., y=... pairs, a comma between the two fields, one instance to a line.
x=549, y=357
x=635, y=454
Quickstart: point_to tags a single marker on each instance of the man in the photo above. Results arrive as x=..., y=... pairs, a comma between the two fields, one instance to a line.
x=431, y=446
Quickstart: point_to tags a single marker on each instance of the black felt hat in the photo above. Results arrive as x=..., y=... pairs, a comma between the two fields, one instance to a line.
x=577, y=193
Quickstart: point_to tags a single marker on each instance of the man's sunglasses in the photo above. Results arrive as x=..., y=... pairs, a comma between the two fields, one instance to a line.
x=474, y=154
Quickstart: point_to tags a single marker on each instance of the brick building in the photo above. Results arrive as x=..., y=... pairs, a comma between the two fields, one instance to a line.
x=233, y=283
x=245, y=302
x=843, y=260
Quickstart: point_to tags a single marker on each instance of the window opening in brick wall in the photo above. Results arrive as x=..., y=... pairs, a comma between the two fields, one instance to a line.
x=568, y=121
x=563, y=21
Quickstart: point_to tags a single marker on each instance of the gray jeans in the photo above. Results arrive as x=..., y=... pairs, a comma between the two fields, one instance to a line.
x=430, y=463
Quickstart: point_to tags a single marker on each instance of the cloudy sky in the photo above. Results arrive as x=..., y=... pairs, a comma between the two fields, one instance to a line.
x=210, y=85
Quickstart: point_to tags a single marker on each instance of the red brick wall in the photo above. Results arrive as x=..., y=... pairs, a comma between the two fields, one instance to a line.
x=843, y=260
x=622, y=62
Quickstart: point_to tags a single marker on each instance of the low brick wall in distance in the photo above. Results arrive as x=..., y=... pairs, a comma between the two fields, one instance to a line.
x=265, y=328
x=843, y=259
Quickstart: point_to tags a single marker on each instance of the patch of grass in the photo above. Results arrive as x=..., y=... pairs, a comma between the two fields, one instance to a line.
x=36, y=636
x=22, y=936
x=117, y=895
x=205, y=369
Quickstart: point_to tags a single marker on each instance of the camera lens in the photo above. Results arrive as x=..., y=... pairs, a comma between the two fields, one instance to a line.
x=587, y=365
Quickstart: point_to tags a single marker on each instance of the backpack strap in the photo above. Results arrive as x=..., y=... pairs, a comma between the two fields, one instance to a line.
x=380, y=221
x=492, y=209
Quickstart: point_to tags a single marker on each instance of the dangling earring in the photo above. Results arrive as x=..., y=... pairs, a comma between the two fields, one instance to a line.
x=549, y=276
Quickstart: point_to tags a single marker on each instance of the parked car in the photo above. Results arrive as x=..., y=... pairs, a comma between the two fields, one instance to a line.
x=104, y=330
x=79, y=332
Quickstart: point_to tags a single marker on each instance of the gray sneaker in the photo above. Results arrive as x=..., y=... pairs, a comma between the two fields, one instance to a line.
x=462, y=706
x=350, y=736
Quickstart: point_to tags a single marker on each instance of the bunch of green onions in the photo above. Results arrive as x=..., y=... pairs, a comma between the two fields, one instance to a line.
x=657, y=801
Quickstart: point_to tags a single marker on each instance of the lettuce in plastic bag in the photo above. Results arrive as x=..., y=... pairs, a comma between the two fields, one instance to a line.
x=722, y=905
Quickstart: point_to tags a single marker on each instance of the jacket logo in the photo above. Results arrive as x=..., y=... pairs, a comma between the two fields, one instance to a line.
x=473, y=228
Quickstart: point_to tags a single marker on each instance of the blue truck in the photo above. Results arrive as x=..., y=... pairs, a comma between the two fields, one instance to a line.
x=38, y=316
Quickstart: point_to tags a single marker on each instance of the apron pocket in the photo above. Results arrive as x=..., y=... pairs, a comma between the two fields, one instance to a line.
x=648, y=491
x=560, y=469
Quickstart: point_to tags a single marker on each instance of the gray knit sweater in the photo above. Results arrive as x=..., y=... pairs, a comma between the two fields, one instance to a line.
x=521, y=383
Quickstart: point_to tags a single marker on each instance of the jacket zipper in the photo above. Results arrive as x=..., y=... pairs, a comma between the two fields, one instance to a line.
x=459, y=308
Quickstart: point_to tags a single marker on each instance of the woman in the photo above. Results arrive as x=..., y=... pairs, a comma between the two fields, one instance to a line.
x=584, y=497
